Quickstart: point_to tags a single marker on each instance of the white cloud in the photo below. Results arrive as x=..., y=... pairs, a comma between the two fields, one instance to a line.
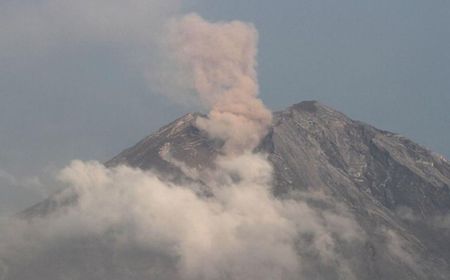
x=241, y=230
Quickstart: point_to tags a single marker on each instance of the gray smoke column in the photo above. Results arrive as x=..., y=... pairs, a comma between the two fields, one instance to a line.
x=221, y=60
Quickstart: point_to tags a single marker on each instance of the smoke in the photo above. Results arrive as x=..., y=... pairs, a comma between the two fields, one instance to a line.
x=221, y=59
x=240, y=231
x=124, y=223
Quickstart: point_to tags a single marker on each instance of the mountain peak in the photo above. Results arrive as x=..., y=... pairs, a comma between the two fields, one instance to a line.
x=315, y=109
x=308, y=106
x=314, y=146
x=388, y=183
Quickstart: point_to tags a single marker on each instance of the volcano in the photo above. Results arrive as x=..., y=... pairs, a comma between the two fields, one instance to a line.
x=397, y=191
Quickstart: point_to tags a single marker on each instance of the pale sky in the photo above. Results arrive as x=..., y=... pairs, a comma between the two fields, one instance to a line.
x=72, y=84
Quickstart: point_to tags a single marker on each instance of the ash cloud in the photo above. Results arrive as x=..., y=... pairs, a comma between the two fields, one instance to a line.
x=221, y=59
x=124, y=223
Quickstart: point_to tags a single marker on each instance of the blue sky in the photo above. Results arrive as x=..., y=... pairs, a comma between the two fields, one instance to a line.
x=72, y=83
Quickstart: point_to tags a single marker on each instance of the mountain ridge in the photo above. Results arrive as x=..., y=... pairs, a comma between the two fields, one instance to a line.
x=312, y=118
x=394, y=189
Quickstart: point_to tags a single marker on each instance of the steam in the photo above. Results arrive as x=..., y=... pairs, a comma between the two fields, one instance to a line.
x=221, y=58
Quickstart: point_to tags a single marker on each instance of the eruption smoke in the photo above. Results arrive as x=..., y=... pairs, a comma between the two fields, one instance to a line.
x=221, y=58
x=139, y=225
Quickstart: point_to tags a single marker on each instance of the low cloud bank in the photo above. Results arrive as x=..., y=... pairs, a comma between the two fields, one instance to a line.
x=240, y=231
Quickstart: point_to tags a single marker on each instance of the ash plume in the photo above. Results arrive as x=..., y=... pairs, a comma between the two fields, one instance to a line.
x=221, y=58
x=143, y=226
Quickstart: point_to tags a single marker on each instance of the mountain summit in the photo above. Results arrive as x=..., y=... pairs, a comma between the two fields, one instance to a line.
x=397, y=192
x=312, y=146
x=390, y=183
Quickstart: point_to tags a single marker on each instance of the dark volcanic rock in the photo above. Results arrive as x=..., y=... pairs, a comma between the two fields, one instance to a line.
x=388, y=183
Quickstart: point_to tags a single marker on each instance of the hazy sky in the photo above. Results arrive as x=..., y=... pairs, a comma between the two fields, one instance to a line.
x=72, y=87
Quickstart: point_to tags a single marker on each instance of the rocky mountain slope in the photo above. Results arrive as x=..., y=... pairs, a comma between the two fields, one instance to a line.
x=388, y=181
x=397, y=191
